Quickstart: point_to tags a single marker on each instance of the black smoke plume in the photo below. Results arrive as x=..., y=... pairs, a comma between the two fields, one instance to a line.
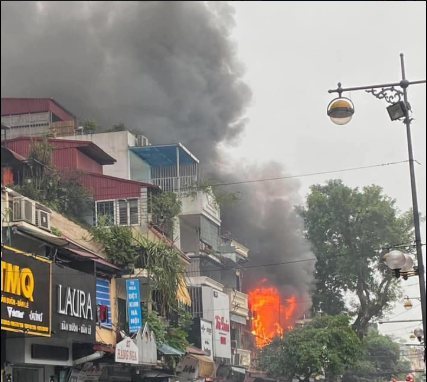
x=166, y=69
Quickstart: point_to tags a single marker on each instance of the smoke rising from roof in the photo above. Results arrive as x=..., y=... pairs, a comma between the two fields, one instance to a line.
x=166, y=69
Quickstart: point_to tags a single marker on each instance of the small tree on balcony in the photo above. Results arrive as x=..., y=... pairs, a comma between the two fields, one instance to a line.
x=166, y=206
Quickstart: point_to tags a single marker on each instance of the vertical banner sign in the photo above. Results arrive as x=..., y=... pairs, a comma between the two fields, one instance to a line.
x=134, y=305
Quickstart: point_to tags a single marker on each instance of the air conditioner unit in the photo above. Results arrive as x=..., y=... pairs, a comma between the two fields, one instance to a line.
x=24, y=210
x=142, y=141
x=234, y=344
x=43, y=220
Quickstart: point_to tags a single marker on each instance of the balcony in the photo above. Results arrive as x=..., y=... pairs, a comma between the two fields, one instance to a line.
x=180, y=185
x=239, y=304
x=201, y=204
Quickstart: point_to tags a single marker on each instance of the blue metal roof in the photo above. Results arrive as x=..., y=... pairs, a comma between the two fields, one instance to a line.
x=169, y=350
x=165, y=155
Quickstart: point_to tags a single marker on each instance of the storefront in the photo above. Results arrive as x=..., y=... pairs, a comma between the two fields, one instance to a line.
x=63, y=300
x=25, y=312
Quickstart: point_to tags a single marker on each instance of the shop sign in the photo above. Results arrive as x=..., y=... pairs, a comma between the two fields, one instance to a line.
x=89, y=372
x=25, y=293
x=127, y=352
x=206, y=336
x=75, y=306
x=218, y=311
x=134, y=305
x=188, y=369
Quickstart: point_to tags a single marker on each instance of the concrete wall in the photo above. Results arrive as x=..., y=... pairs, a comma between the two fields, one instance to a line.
x=202, y=204
x=115, y=144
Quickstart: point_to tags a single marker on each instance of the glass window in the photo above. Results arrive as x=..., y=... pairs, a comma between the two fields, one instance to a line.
x=123, y=212
x=209, y=233
x=133, y=211
x=106, y=211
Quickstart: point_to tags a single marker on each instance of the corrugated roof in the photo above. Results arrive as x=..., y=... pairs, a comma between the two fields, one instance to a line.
x=88, y=148
x=165, y=155
x=10, y=157
x=21, y=105
x=89, y=255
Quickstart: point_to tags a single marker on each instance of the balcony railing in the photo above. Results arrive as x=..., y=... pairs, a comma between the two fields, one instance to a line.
x=182, y=184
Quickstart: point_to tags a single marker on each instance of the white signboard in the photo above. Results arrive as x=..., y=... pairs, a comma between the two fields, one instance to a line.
x=127, y=352
x=216, y=308
x=188, y=369
x=206, y=336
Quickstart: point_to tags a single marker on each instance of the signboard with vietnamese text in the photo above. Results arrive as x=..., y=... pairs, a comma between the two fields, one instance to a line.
x=216, y=308
x=89, y=372
x=25, y=293
x=188, y=369
x=74, y=304
x=127, y=352
x=206, y=336
x=134, y=305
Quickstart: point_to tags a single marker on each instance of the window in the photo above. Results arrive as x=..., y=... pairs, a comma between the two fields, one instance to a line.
x=129, y=212
x=209, y=233
x=122, y=212
x=105, y=210
x=103, y=302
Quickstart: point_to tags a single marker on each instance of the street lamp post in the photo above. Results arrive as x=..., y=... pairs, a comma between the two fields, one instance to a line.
x=396, y=94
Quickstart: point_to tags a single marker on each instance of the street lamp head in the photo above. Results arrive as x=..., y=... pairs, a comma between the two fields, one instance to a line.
x=397, y=111
x=409, y=264
x=395, y=260
x=419, y=333
x=340, y=111
x=407, y=304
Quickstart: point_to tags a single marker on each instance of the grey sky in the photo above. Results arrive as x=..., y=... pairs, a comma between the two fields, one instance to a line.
x=168, y=70
x=294, y=52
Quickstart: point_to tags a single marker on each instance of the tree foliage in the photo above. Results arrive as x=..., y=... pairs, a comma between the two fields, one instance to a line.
x=381, y=361
x=166, y=206
x=347, y=228
x=45, y=184
x=162, y=261
x=326, y=346
x=90, y=124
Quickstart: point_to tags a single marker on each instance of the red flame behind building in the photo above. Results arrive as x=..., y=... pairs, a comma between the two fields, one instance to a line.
x=271, y=316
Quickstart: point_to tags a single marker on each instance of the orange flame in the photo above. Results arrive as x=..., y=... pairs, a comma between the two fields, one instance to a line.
x=270, y=316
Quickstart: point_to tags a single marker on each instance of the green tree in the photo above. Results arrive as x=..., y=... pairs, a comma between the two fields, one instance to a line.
x=347, y=228
x=44, y=183
x=119, y=127
x=326, y=346
x=90, y=124
x=381, y=360
x=166, y=207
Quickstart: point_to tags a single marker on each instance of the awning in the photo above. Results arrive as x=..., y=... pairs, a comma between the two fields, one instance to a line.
x=165, y=155
x=94, y=257
x=42, y=235
x=239, y=319
x=206, y=365
x=169, y=350
x=182, y=293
